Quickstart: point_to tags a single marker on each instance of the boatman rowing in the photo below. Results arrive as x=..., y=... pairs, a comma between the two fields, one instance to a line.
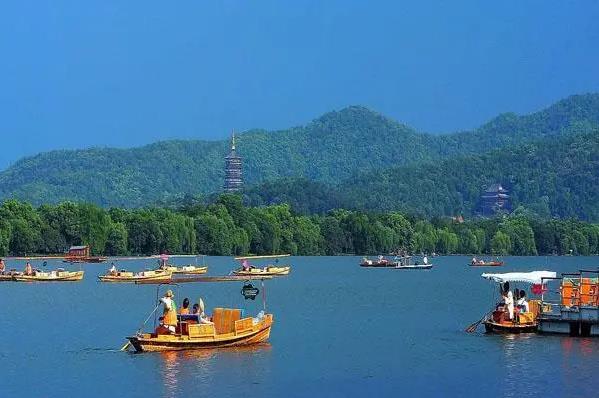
x=169, y=314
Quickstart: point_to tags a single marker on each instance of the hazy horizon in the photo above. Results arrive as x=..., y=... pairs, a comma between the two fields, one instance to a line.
x=123, y=75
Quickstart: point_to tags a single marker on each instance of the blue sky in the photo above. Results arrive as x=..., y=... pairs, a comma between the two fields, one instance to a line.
x=75, y=74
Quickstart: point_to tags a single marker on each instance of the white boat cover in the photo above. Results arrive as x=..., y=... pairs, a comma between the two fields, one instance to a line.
x=527, y=277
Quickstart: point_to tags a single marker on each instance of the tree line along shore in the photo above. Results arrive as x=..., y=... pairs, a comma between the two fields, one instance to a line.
x=227, y=227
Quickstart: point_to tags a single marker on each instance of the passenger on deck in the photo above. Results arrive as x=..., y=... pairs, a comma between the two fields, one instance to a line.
x=28, y=269
x=169, y=313
x=2, y=266
x=202, y=317
x=196, y=309
x=112, y=269
x=185, y=307
x=425, y=260
x=508, y=299
x=246, y=265
x=522, y=303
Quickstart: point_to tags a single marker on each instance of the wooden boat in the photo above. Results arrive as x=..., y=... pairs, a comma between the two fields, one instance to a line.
x=405, y=262
x=187, y=269
x=498, y=321
x=269, y=270
x=509, y=327
x=379, y=262
x=127, y=276
x=228, y=329
x=59, y=275
x=482, y=263
x=266, y=271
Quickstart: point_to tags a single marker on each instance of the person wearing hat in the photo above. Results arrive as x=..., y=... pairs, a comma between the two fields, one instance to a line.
x=169, y=314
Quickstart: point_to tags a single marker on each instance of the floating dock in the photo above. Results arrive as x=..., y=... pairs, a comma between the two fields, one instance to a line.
x=573, y=309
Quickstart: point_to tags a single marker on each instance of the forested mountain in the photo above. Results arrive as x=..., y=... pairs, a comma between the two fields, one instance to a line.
x=331, y=149
x=547, y=178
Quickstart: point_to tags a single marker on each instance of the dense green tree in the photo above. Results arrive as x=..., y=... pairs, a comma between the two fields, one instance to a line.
x=116, y=243
x=501, y=244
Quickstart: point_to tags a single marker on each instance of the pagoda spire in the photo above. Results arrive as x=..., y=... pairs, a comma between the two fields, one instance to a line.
x=233, y=169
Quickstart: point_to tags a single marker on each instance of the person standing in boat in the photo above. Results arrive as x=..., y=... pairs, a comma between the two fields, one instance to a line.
x=508, y=300
x=112, y=270
x=2, y=266
x=169, y=314
x=28, y=269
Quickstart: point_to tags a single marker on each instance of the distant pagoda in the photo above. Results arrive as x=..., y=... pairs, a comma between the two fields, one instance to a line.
x=495, y=199
x=233, y=180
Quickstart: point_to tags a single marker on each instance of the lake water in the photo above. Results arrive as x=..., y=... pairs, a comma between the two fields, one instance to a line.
x=340, y=330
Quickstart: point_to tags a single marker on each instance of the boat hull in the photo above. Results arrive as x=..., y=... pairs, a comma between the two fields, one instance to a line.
x=428, y=266
x=132, y=279
x=60, y=277
x=183, y=271
x=146, y=343
x=489, y=264
x=377, y=265
x=502, y=328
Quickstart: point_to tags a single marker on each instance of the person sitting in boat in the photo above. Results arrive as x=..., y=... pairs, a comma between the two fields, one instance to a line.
x=112, y=270
x=245, y=264
x=202, y=317
x=196, y=309
x=185, y=307
x=28, y=269
x=2, y=266
x=474, y=261
x=169, y=314
x=425, y=260
x=522, y=304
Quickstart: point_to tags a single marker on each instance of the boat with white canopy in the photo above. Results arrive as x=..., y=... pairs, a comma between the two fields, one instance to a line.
x=514, y=312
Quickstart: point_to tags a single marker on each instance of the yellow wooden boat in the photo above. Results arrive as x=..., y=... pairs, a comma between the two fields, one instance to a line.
x=266, y=271
x=127, y=276
x=187, y=269
x=59, y=275
x=227, y=329
x=247, y=269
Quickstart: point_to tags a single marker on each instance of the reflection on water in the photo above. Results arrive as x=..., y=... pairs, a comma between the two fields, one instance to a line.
x=181, y=369
x=529, y=361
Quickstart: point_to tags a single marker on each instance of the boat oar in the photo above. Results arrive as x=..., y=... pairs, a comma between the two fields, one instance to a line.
x=474, y=326
x=128, y=343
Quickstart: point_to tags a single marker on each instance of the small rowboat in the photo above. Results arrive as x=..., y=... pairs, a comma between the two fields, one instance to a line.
x=486, y=264
x=266, y=271
x=126, y=276
x=510, y=327
x=52, y=276
x=187, y=270
x=511, y=318
x=227, y=329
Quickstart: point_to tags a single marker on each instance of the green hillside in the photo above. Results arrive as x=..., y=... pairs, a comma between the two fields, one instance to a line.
x=557, y=178
x=331, y=149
